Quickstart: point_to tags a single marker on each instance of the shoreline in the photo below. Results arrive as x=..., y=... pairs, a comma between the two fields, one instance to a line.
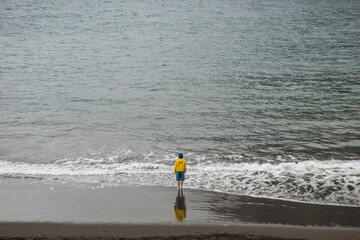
x=36, y=201
x=272, y=198
x=39, y=210
x=47, y=230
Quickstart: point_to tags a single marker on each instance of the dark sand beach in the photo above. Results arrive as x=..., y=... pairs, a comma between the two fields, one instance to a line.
x=171, y=231
x=31, y=210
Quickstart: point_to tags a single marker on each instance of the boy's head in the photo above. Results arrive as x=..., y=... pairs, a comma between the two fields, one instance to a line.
x=180, y=155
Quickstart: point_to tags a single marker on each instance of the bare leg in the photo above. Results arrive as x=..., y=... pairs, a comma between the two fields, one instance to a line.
x=178, y=184
x=182, y=184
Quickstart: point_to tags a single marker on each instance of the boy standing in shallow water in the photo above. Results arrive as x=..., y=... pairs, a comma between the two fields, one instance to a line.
x=180, y=169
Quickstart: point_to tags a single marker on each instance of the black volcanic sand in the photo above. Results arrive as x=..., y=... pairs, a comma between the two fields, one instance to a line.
x=171, y=231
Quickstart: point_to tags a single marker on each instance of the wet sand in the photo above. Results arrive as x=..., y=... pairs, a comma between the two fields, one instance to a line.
x=171, y=231
x=30, y=209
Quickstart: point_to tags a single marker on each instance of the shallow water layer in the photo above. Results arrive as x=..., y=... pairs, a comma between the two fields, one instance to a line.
x=262, y=97
x=28, y=202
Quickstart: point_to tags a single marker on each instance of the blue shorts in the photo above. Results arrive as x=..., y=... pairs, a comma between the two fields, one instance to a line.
x=180, y=176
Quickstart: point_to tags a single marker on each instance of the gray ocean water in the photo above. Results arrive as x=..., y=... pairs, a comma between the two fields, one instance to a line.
x=262, y=97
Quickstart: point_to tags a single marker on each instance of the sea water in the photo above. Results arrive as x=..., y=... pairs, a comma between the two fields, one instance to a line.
x=261, y=97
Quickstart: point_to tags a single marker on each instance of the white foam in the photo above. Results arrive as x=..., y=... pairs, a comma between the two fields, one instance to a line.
x=329, y=182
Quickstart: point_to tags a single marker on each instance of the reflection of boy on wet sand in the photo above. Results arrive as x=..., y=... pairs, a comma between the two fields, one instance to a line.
x=179, y=207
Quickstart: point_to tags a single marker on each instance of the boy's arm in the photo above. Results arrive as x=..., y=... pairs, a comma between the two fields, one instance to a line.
x=185, y=165
x=175, y=167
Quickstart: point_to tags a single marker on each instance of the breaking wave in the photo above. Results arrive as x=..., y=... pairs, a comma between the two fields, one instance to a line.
x=324, y=182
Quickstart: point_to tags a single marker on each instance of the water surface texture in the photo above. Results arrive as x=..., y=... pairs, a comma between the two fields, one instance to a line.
x=262, y=97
